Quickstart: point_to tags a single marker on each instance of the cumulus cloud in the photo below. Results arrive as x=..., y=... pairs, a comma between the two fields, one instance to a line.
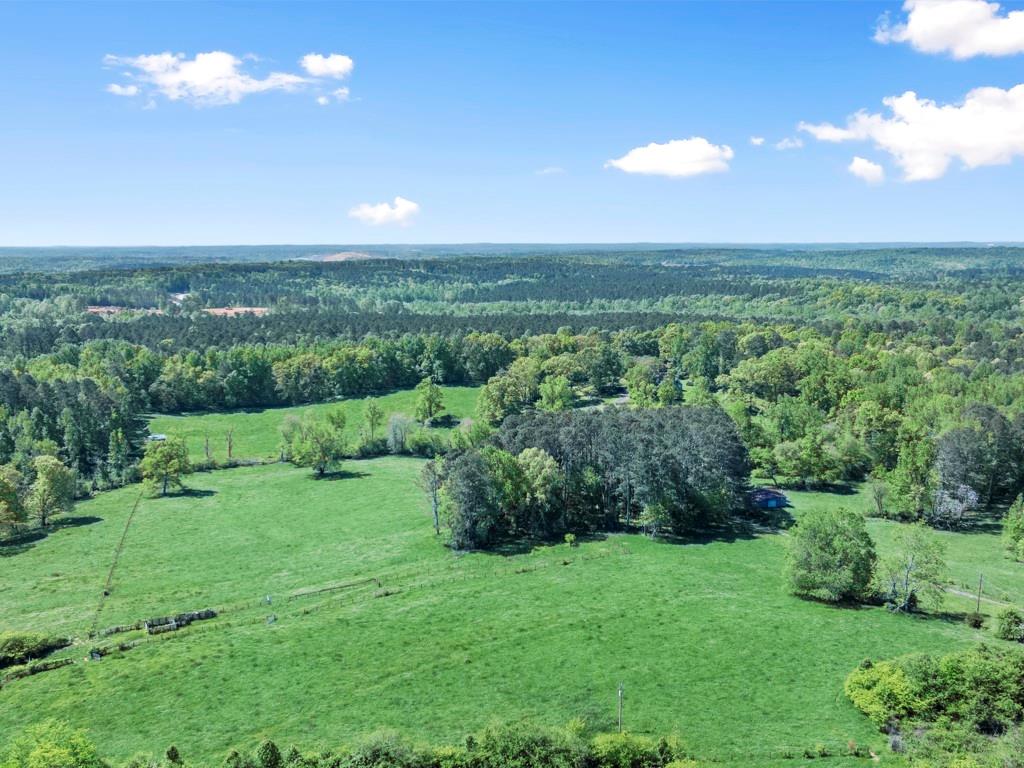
x=790, y=142
x=757, y=141
x=217, y=77
x=334, y=65
x=123, y=90
x=212, y=78
x=323, y=101
x=962, y=28
x=864, y=169
x=398, y=212
x=923, y=137
x=680, y=157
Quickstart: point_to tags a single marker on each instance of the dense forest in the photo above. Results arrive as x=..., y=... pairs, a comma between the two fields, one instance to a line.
x=898, y=365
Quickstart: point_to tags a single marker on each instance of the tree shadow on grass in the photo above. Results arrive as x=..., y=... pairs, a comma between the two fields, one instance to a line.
x=75, y=521
x=948, y=617
x=196, y=493
x=341, y=474
x=987, y=521
x=23, y=542
x=514, y=547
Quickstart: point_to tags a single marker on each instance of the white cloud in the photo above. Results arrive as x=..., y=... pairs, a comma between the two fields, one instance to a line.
x=123, y=90
x=323, y=101
x=963, y=28
x=399, y=212
x=680, y=157
x=551, y=170
x=986, y=128
x=864, y=169
x=334, y=65
x=212, y=78
x=341, y=94
x=757, y=141
x=789, y=142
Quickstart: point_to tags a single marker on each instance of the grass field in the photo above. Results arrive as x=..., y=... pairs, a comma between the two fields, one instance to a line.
x=703, y=636
x=256, y=433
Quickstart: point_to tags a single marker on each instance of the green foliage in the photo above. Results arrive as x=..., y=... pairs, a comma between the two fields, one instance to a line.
x=1013, y=527
x=626, y=750
x=164, y=464
x=373, y=414
x=830, y=556
x=556, y=394
x=318, y=443
x=12, y=507
x=881, y=691
x=914, y=573
x=1010, y=625
x=53, y=490
x=429, y=400
x=19, y=647
x=981, y=689
x=51, y=744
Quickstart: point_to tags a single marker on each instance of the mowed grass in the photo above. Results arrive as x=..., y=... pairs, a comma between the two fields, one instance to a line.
x=703, y=636
x=256, y=432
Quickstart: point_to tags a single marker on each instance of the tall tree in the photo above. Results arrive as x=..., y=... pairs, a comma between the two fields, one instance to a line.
x=165, y=463
x=431, y=479
x=53, y=490
x=319, y=443
x=12, y=509
x=429, y=400
x=830, y=555
x=915, y=572
x=374, y=416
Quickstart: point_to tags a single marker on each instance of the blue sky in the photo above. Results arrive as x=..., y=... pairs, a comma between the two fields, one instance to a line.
x=458, y=108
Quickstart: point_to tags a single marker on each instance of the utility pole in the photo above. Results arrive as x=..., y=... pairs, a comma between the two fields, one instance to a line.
x=620, y=707
x=981, y=581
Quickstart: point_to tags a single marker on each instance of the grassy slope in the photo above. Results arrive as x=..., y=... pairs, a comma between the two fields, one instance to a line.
x=703, y=636
x=256, y=431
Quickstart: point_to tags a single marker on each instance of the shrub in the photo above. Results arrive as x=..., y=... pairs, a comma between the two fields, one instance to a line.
x=570, y=539
x=881, y=691
x=426, y=443
x=384, y=749
x=269, y=756
x=624, y=750
x=527, y=746
x=1013, y=528
x=376, y=447
x=975, y=620
x=1010, y=625
x=19, y=647
x=51, y=744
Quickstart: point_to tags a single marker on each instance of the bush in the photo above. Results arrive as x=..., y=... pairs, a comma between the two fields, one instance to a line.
x=624, y=750
x=376, y=447
x=1010, y=625
x=975, y=620
x=19, y=647
x=51, y=744
x=426, y=443
x=383, y=750
x=1013, y=528
x=527, y=746
x=881, y=691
